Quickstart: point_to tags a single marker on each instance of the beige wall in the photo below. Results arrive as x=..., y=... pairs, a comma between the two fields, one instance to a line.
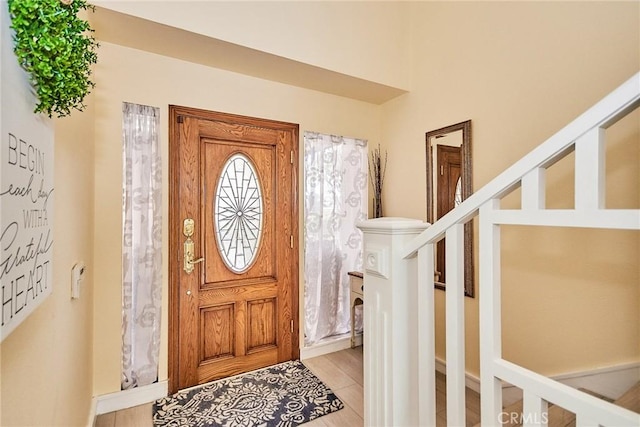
x=368, y=40
x=520, y=71
x=47, y=367
x=125, y=74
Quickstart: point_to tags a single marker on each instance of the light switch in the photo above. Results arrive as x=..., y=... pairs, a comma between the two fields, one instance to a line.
x=77, y=276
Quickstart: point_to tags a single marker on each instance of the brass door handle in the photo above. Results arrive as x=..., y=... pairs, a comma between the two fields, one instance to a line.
x=189, y=262
x=189, y=250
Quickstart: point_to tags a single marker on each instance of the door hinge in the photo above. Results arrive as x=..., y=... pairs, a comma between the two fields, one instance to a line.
x=291, y=241
x=291, y=325
x=441, y=170
x=291, y=159
x=180, y=119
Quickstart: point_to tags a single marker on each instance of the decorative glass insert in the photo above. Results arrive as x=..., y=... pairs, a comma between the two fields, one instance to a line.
x=458, y=197
x=238, y=213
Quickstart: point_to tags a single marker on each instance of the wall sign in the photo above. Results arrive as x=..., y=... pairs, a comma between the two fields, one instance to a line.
x=26, y=192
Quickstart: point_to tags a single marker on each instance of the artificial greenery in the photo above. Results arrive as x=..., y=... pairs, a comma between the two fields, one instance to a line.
x=57, y=49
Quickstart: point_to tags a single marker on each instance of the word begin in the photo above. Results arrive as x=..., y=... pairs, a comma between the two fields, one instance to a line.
x=25, y=156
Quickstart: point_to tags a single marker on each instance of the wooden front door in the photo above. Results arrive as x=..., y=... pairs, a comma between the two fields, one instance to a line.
x=233, y=245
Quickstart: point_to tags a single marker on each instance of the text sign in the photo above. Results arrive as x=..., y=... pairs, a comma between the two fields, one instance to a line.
x=26, y=193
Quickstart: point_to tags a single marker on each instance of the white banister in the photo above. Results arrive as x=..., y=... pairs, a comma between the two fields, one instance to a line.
x=598, y=411
x=399, y=342
x=602, y=115
x=615, y=219
x=390, y=323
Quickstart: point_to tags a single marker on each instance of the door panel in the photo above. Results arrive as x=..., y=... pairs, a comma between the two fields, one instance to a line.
x=261, y=315
x=237, y=311
x=218, y=321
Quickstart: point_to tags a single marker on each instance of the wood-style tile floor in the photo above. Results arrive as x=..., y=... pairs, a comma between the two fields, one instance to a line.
x=343, y=373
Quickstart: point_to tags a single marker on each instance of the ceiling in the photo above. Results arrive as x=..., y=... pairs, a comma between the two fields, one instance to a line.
x=130, y=31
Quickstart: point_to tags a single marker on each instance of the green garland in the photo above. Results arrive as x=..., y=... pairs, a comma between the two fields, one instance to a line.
x=57, y=50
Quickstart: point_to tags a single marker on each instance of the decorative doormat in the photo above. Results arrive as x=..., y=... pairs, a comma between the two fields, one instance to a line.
x=283, y=395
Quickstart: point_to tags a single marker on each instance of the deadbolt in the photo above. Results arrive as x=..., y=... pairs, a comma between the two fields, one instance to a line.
x=188, y=226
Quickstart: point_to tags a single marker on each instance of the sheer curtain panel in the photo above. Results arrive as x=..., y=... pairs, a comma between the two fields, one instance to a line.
x=141, y=245
x=335, y=198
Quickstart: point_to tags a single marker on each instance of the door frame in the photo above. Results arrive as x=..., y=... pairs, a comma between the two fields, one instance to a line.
x=176, y=238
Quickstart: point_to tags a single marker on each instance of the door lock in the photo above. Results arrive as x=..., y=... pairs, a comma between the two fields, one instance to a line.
x=189, y=247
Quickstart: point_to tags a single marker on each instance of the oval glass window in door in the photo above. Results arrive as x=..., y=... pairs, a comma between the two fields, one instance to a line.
x=238, y=213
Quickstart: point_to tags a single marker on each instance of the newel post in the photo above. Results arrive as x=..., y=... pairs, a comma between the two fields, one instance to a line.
x=390, y=323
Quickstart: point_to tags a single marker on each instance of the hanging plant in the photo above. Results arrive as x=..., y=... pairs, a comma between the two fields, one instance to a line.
x=56, y=49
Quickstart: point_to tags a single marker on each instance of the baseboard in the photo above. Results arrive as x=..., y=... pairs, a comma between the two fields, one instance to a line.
x=130, y=398
x=329, y=346
x=91, y=422
x=470, y=381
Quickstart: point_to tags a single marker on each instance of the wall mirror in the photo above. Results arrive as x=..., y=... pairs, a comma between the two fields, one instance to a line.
x=449, y=182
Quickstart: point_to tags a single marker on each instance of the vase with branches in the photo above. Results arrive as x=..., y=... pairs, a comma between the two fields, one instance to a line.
x=377, y=170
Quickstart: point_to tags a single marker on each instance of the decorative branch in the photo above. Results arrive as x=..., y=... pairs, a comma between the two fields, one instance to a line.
x=377, y=171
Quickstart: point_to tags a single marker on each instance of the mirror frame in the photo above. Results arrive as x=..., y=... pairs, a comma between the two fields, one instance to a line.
x=467, y=190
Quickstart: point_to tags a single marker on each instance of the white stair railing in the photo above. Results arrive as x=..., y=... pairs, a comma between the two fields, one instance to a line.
x=585, y=136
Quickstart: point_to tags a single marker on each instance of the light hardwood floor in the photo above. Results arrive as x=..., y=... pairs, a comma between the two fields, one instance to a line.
x=342, y=372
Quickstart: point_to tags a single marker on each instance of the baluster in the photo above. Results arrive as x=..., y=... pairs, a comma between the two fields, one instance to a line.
x=455, y=325
x=426, y=338
x=534, y=410
x=590, y=170
x=533, y=189
x=584, y=421
x=490, y=315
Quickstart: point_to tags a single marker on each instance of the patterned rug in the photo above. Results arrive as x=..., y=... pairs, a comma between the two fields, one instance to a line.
x=283, y=395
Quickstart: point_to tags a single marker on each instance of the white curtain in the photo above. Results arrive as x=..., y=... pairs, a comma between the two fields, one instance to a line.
x=141, y=245
x=335, y=197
